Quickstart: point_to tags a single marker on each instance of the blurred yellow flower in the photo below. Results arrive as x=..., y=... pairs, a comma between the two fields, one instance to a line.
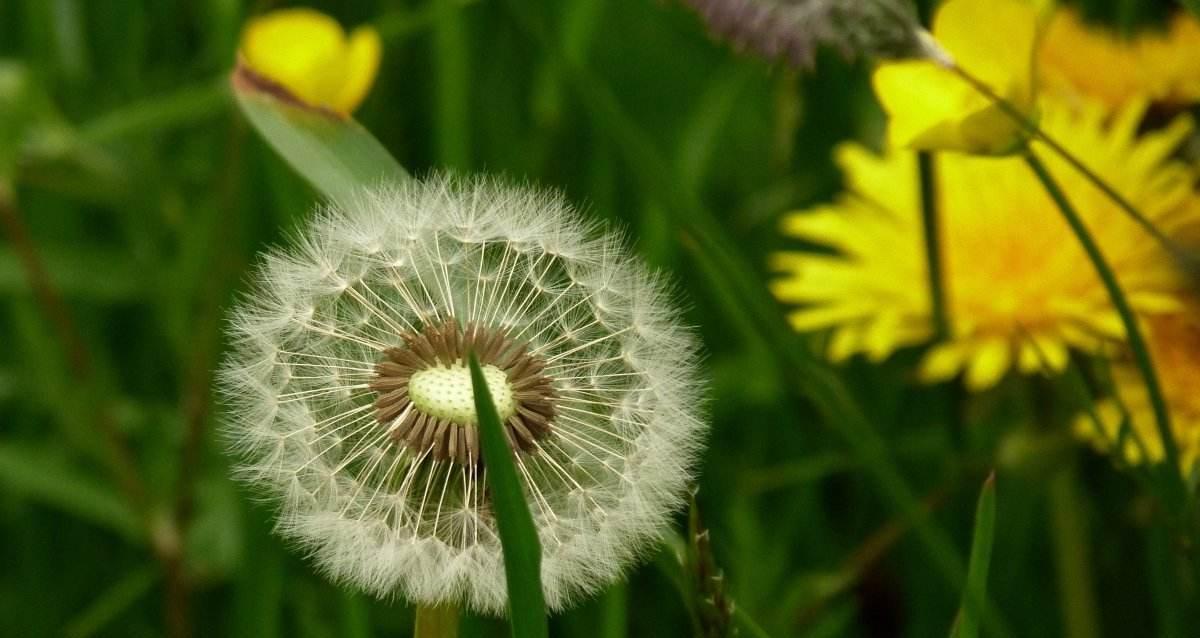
x=1174, y=342
x=1021, y=291
x=1077, y=59
x=930, y=107
x=309, y=55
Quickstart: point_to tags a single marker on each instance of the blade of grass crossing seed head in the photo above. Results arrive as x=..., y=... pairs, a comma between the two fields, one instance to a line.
x=966, y=625
x=518, y=536
x=333, y=152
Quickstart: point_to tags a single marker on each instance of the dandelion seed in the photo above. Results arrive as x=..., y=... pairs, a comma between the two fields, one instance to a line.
x=792, y=30
x=1017, y=282
x=351, y=403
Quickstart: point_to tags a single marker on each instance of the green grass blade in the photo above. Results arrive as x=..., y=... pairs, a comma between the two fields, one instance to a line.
x=522, y=551
x=337, y=155
x=1133, y=331
x=967, y=625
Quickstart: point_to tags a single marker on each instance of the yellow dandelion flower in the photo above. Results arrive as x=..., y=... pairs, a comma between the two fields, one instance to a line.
x=307, y=54
x=1174, y=342
x=930, y=107
x=1159, y=65
x=1021, y=291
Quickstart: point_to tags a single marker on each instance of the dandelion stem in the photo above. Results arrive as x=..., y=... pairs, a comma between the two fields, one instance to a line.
x=1136, y=343
x=451, y=89
x=440, y=621
x=1036, y=132
x=1069, y=530
x=933, y=250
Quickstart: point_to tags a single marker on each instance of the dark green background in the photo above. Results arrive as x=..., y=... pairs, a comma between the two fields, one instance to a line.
x=147, y=197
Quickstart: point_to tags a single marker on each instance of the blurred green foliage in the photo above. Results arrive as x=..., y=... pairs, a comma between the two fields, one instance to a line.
x=147, y=196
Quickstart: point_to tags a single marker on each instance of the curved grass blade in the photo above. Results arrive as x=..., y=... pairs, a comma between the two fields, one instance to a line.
x=968, y=621
x=518, y=536
x=333, y=152
x=1137, y=344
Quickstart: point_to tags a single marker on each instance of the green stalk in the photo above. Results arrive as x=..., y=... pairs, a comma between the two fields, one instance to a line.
x=451, y=94
x=1137, y=344
x=933, y=251
x=440, y=621
x=1071, y=548
x=614, y=612
x=1036, y=132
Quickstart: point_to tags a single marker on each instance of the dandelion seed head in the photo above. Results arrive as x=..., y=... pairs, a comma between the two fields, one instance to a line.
x=790, y=31
x=350, y=403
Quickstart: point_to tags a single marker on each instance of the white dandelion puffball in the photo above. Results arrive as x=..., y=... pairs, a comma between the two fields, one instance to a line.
x=350, y=402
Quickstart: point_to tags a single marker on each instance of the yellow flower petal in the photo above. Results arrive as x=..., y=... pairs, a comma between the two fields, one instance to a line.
x=943, y=362
x=925, y=103
x=929, y=107
x=1013, y=269
x=1159, y=65
x=988, y=364
x=307, y=53
x=1041, y=353
x=362, y=60
x=993, y=39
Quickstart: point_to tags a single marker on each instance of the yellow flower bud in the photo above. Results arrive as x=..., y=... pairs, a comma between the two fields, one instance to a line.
x=931, y=108
x=308, y=54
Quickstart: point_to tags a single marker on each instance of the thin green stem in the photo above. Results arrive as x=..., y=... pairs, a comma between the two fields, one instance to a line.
x=440, y=621
x=1068, y=527
x=451, y=93
x=1031, y=127
x=933, y=251
x=1137, y=344
x=614, y=612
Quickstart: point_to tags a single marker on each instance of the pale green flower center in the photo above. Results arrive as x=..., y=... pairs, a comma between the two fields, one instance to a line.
x=445, y=393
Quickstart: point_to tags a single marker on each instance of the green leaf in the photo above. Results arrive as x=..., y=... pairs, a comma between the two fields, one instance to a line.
x=522, y=551
x=967, y=624
x=1192, y=5
x=334, y=153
